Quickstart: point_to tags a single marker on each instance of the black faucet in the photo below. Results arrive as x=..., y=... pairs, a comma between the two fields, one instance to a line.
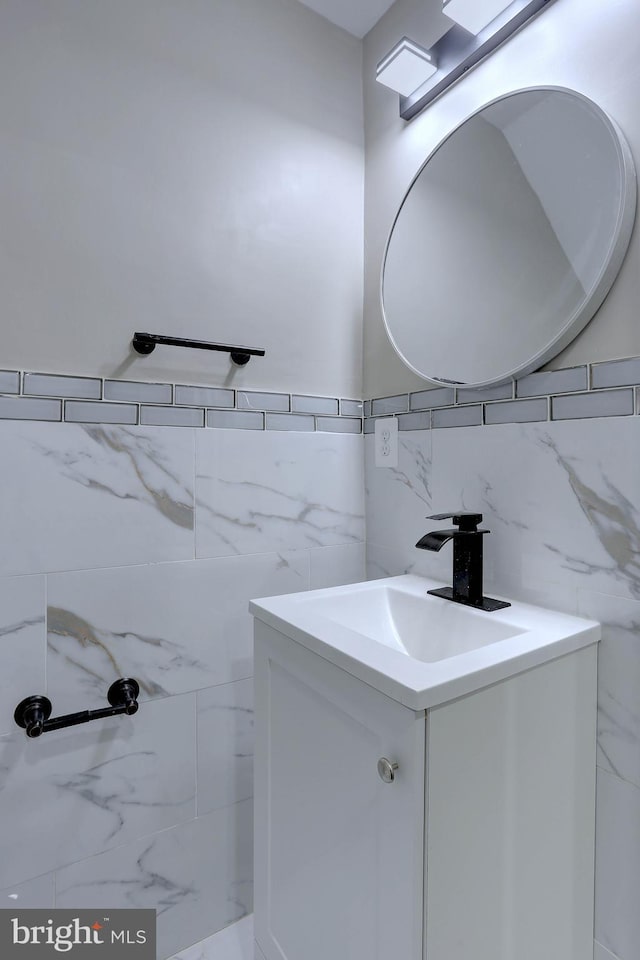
x=467, y=560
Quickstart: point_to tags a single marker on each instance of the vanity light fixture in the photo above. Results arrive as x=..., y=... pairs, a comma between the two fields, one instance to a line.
x=474, y=15
x=477, y=28
x=406, y=67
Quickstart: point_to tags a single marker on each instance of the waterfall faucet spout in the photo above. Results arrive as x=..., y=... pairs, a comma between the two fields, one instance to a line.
x=467, y=559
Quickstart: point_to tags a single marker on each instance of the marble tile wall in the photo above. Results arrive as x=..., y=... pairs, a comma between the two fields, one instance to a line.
x=134, y=550
x=562, y=502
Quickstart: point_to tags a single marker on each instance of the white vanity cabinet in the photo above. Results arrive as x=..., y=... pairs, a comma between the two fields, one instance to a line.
x=481, y=847
x=338, y=861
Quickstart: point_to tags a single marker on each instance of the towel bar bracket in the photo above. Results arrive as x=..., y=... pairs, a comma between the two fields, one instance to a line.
x=145, y=343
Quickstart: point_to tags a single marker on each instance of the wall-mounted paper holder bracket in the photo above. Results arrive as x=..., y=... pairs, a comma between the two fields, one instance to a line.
x=33, y=713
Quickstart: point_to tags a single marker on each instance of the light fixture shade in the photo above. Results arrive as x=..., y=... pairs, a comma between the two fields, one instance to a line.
x=474, y=15
x=406, y=67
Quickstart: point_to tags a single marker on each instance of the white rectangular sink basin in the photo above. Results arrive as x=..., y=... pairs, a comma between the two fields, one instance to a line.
x=420, y=649
x=414, y=623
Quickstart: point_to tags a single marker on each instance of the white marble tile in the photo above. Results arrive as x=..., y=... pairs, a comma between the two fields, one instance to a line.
x=618, y=682
x=543, y=592
x=399, y=498
x=601, y=953
x=198, y=876
x=22, y=644
x=560, y=500
x=617, y=918
x=94, y=496
x=333, y=566
x=225, y=745
x=36, y=894
x=273, y=491
x=562, y=504
x=385, y=562
x=175, y=627
x=75, y=792
x=235, y=942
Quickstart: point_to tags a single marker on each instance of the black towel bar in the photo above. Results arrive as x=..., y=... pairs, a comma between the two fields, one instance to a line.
x=145, y=343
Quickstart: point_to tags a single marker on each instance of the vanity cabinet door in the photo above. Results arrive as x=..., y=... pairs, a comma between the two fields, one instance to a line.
x=339, y=852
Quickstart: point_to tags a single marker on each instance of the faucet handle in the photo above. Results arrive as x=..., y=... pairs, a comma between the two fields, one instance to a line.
x=467, y=522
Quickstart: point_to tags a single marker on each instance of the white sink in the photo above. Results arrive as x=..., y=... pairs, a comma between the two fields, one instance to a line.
x=419, y=649
x=418, y=625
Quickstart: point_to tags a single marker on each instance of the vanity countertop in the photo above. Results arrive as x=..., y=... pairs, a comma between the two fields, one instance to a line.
x=418, y=649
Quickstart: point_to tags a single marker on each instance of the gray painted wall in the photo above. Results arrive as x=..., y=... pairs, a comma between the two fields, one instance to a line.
x=191, y=168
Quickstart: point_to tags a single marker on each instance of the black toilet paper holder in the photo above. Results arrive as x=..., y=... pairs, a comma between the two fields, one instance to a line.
x=33, y=713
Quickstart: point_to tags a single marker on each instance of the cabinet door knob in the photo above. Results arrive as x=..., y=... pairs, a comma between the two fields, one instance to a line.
x=387, y=770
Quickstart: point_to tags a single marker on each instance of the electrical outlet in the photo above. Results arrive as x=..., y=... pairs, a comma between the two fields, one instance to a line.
x=386, y=441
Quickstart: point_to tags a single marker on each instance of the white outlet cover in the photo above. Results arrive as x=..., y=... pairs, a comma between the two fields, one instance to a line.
x=386, y=442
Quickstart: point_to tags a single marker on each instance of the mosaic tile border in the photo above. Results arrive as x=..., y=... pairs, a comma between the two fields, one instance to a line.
x=609, y=388
x=60, y=398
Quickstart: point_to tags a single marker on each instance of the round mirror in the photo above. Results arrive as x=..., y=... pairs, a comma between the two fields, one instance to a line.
x=509, y=238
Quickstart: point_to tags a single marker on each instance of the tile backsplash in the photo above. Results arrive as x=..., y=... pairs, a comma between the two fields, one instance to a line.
x=133, y=549
x=561, y=498
x=139, y=519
